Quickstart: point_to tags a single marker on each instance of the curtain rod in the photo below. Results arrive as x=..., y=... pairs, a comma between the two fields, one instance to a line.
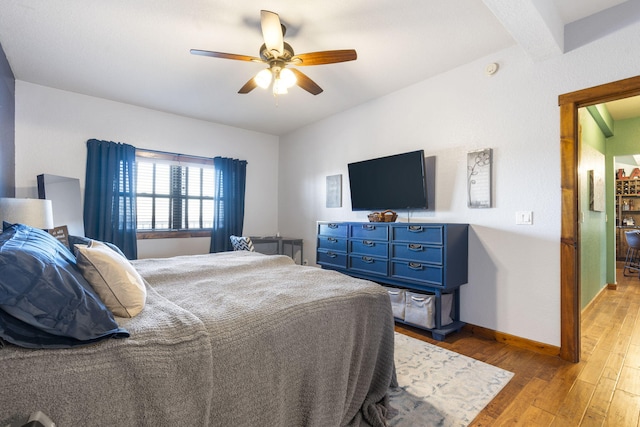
x=157, y=153
x=167, y=155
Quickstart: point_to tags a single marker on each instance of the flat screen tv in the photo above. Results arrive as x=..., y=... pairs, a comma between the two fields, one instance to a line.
x=392, y=182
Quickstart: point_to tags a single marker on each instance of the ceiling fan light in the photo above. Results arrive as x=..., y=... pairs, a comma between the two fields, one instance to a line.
x=263, y=78
x=287, y=78
x=279, y=88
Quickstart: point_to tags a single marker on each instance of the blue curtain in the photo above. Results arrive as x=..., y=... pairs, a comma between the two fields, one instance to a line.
x=228, y=216
x=109, y=195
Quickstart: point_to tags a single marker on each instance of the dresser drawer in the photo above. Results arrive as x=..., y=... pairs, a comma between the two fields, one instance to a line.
x=417, y=252
x=369, y=231
x=417, y=272
x=331, y=243
x=369, y=264
x=331, y=258
x=368, y=247
x=418, y=233
x=335, y=229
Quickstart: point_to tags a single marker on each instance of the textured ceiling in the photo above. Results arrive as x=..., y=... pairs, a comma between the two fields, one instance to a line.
x=138, y=52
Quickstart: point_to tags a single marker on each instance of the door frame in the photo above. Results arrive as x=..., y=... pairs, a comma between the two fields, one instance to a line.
x=569, y=235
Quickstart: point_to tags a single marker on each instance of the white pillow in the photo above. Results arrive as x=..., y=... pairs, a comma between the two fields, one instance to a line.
x=114, y=279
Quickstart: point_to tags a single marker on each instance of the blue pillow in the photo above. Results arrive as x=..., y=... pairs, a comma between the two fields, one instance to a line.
x=44, y=300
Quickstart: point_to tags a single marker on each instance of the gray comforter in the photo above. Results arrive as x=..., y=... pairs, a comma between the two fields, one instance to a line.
x=231, y=339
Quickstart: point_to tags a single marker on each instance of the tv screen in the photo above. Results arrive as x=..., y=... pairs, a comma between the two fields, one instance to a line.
x=392, y=182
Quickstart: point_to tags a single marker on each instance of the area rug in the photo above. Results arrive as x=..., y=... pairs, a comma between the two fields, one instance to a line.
x=438, y=387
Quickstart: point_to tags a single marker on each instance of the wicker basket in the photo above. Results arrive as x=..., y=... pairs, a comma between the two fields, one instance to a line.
x=384, y=216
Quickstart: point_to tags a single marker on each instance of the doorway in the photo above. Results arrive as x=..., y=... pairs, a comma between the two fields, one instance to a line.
x=627, y=198
x=570, y=306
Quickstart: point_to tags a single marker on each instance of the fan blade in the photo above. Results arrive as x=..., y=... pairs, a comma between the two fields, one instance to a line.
x=306, y=83
x=248, y=86
x=272, y=32
x=325, y=57
x=225, y=55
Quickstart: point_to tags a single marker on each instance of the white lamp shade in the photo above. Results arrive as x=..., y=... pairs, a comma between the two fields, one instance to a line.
x=37, y=213
x=287, y=78
x=263, y=78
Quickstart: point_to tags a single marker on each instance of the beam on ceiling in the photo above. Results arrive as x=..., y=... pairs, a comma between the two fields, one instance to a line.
x=594, y=27
x=534, y=24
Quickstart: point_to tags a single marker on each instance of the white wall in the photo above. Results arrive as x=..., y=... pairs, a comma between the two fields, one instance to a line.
x=514, y=270
x=53, y=126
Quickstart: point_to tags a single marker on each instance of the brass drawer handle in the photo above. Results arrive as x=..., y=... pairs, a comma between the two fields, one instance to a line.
x=415, y=247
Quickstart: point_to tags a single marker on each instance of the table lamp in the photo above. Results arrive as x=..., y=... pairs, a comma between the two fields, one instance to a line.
x=37, y=213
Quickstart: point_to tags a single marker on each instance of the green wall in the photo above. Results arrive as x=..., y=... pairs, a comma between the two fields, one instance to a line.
x=593, y=224
x=598, y=231
x=625, y=140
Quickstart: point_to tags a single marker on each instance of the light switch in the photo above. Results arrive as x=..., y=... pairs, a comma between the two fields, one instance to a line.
x=524, y=218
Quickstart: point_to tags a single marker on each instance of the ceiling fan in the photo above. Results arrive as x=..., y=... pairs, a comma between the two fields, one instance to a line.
x=278, y=54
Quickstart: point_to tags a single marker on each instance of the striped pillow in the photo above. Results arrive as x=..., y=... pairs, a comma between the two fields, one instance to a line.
x=242, y=243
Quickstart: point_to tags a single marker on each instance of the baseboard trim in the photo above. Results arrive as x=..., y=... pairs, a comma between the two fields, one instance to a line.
x=512, y=340
x=538, y=347
x=610, y=286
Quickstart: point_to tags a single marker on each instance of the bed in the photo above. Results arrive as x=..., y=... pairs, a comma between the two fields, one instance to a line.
x=228, y=339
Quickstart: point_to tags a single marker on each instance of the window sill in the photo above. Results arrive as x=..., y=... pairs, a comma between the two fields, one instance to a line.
x=172, y=234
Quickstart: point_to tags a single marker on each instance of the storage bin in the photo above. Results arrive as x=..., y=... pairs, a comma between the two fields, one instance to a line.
x=419, y=309
x=446, y=304
x=398, y=303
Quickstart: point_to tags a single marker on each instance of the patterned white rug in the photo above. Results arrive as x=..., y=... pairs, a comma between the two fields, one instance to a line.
x=438, y=387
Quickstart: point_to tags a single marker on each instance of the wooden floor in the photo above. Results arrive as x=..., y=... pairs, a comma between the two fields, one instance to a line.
x=602, y=390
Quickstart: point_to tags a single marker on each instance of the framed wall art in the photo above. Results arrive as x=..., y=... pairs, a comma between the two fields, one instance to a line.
x=479, y=165
x=334, y=191
x=596, y=191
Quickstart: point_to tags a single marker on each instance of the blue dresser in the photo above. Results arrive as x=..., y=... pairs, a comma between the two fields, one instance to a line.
x=422, y=264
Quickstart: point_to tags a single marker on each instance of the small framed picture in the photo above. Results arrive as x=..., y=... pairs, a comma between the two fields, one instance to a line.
x=334, y=191
x=479, y=164
x=596, y=191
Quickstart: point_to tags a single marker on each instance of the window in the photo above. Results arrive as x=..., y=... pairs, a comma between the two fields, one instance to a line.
x=174, y=192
